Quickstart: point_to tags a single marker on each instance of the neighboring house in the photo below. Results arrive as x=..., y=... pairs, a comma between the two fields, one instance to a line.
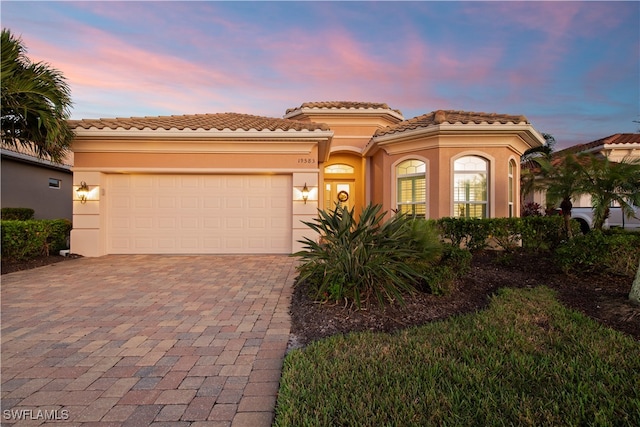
x=616, y=147
x=233, y=183
x=39, y=184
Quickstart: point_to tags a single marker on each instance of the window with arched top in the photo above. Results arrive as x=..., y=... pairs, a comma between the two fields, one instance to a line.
x=338, y=168
x=411, y=193
x=470, y=187
x=512, y=187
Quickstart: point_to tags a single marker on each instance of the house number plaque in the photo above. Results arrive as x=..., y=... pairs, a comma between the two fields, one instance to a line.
x=306, y=160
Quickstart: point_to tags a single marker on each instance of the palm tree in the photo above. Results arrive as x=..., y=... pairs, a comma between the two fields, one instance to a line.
x=35, y=103
x=611, y=183
x=531, y=162
x=545, y=150
x=563, y=180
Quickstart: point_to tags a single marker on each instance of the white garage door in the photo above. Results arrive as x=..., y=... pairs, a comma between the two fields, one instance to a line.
x=216, y=214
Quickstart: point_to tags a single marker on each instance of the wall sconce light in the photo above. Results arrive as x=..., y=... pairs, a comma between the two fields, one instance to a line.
x=305, y=193
x=83, y=192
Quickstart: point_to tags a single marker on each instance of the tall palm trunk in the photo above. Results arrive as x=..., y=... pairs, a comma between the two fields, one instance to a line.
x=566, y=207
x=600, y=219
x=634, y=295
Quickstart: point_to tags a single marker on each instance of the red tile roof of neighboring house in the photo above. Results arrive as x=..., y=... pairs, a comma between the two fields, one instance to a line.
x=344, y=105
x=452, y=117
x=221, y=121
x=618, y=138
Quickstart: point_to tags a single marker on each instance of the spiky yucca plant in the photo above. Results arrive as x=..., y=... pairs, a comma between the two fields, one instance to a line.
x=366, y=259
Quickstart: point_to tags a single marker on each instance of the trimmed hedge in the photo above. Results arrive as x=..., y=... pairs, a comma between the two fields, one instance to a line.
x=535, y=233
x=23, y=240
x=615, y=252
x=18, y=214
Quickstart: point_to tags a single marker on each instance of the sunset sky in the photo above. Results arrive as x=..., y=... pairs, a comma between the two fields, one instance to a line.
x=573, y=68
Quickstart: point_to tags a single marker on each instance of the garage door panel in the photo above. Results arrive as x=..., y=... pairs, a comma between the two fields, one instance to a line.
x=166, y=203
x=199, y=214
x=189, y=202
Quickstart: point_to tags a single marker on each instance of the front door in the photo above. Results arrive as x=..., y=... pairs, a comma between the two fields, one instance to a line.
x=340, y=192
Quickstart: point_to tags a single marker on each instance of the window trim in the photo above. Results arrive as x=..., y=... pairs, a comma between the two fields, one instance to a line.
x=395, y=179
x=490, y=171
x=350, y=170
x=55, y=186
x=511, y=187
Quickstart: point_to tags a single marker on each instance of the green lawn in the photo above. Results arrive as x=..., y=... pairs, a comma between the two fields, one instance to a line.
x=525, y=360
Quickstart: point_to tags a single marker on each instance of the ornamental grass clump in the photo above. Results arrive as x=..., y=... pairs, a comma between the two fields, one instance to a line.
x=359, y=261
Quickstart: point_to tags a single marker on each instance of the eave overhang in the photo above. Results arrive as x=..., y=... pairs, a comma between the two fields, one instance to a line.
x=388, y=114
x=25, y=158
x=202, y=141
x=530, y=137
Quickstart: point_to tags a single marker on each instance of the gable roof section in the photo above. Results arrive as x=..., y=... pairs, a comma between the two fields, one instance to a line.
x=200, y=133
x=618, y=140
x=200, y=122
x=345, y=108
x=451, y=117
x=453, y=122
x=342, y=105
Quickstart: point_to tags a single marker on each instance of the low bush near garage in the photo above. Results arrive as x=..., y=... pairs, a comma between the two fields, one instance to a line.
x=19, y=214
x=22, y=240
x=366, y=259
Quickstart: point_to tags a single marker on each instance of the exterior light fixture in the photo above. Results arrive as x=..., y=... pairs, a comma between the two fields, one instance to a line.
x=83, y=192
x=305, y=193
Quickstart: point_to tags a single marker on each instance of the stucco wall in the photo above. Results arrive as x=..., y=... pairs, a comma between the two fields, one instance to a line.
x=26, y=185
x=439, y=155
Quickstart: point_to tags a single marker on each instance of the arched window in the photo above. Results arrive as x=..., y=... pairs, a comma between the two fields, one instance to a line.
x=411, y=194
x=338, y=168
x=512, y=187
x=470, y=194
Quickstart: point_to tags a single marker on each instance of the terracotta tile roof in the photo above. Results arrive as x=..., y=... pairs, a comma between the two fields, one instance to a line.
x=452, y=117
x=344, y=105
x=221, y=121
x=618, y=138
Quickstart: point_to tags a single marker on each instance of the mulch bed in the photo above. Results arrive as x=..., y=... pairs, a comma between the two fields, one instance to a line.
x=603, y=297
x=13, y=266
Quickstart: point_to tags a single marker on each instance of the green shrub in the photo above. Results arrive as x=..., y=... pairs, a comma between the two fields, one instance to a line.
x=472, y=233
x=439, y=278
x=59, y=230
x=545, y=233
x=368, y=259
x=535, y=233
x=506, y=233
x=616, y=252
x=23, y=240
x=18, y=214
x=451, y=230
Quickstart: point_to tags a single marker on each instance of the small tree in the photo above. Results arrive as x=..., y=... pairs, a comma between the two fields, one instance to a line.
x=563, y=180
x=35, y=103
x=531, y=161
x=611, y=183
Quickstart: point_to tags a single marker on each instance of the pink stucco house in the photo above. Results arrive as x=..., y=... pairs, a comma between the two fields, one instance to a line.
x=233, y=183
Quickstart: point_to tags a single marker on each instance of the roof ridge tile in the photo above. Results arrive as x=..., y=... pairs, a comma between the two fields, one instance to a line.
x=439, y=117
x=207, y=121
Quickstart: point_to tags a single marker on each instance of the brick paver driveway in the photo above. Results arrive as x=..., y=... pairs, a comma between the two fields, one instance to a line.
x=146, y=340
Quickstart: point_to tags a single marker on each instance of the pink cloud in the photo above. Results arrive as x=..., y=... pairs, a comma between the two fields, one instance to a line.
x=110, y=66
